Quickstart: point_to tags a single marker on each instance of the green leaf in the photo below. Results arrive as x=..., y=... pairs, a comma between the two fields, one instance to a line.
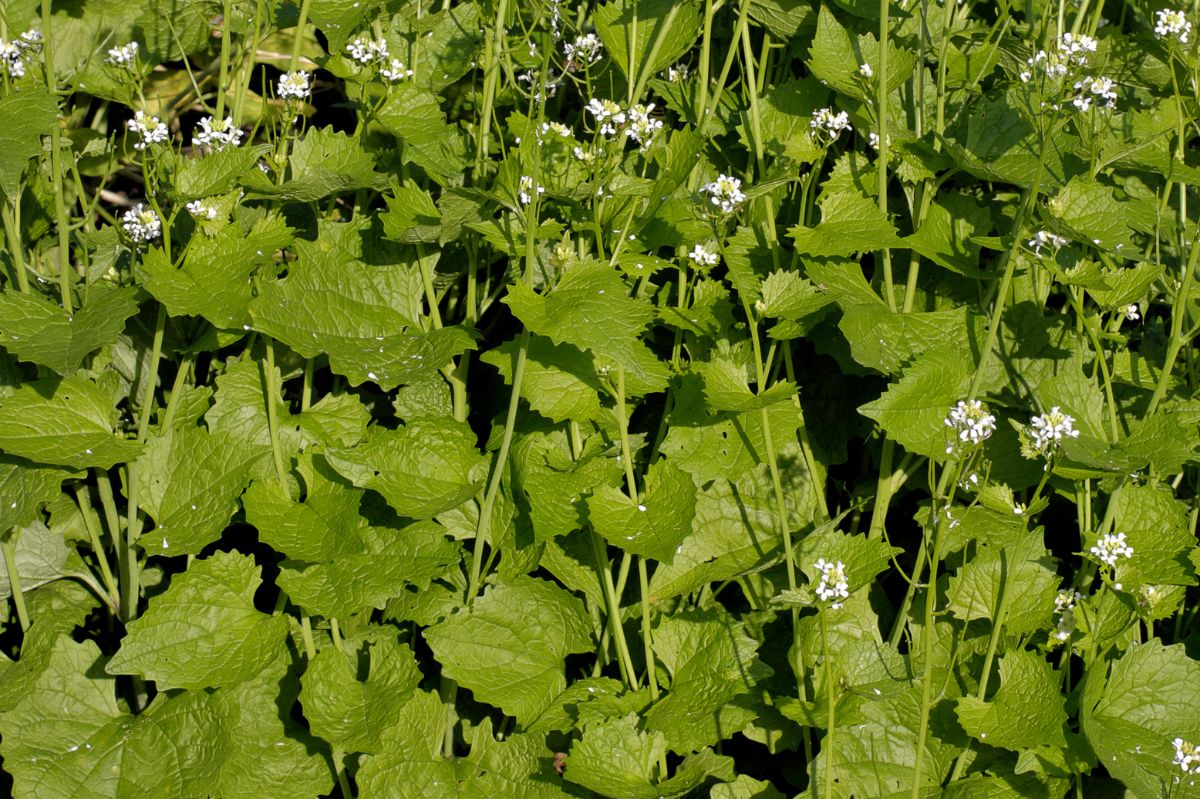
x=1088, y=209
x=410, y=765
x=726, y=387
x=508, y=647
x=194, y=492
x=913, y=410
x=1022, y=569
x=850, y=223
x=28, y=115
x=39, y=556
x=864, y=558
x=653, y=527
x=1025, y=712
x=732, y=534
x=214, y=280
x=615, y=758
x=665, y=31
x=423, y=468
x=65, y=421
x=560, y=380
x=783, y=118
x=521, y=766
x=352, y=695
x=333, y=303
x=204, y=631
x=415, y=116
x=37, y=330
x=946, y=233
x=1159, y=530
x=199, y=177
x=68, y=738
x=835, y=55
x=711, y=661
x=553, y=484
x=412, y=216
x=26, y=487
x=318, y=527
x=1131, y=717
x=382, y=568
x=267, y=756
x=590, y=308
x=322, y=162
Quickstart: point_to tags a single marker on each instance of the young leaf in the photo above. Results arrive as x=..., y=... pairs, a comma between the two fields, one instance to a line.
x=1025, y=712
x=653, y=527
x=529, y=626
x=204, y=631
x=63, y=421
x=37, y=330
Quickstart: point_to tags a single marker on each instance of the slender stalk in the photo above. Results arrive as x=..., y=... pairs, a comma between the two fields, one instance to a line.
x=831, y=718
x=223, y=75
x=881, y=109
x=60, y=207
x=8, y=547
x=92, y=524
x=12, y=231
x=1179, y=306
x=271, y=390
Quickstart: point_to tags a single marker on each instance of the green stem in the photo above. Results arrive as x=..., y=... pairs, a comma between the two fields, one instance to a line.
x=1178, y=311
x=92, y=524
x=12, y=231
x=881, y=107
x=299, y=36
x=8, y=547
x=827, y=746
x=60, y=206
x=223, y=75
x=271, y=390
x=613, y=597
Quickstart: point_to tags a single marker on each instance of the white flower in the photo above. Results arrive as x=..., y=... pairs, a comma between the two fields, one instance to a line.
x=642, y=126
x=1076, y=49
x=557, y=128
x=1173, y=24
x=1187, y=756
x=149, y=130
x=218, y=135
x=1064, y=608
x=199, y=210
x=865, y=70
x=608, y=114
x=15, y=54
x=703, y=255
x=1094, y=89
x=1110, y=547
x=678, y=73
x=123, y=56
x=725, y=192
x=971, y=423
x=1044, y=238
x=525, y=189
x=1131, y=312
x=364, y=50
x=1050, y=429
x=293, y=86
x=580, y=154
x=531, y=79
x=833, y=584
x=395, y=71
x=825, y=123
x=584, y=51
x=141, y=224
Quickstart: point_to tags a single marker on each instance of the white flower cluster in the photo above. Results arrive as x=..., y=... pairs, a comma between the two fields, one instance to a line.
x=833, y=586
x=149, y=130
x=1049, y=429
x=584, y=51
x=1187, y=756
x=1110, y=547
x=1044, y=238
x=827, y=125
x=1131, y=312
x=124, y=56
x=1173, y=25
x=1093, y=89
x=971, y=424
x=608, y=115
x=525, y=189
x=217, y=134
x=199, y=210
x=725, y=192
x=141, y=224
x=15, y=55
x=1071, y=53
x=703, y=255
x=367, y=52
x=293, y=85
x=1064, y=608
x=865, y=70
x=642, y=126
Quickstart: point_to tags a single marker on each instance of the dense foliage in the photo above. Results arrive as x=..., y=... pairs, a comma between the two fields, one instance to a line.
x=635, y=399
